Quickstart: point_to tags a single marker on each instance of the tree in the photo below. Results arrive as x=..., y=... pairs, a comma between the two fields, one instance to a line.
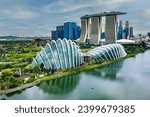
x=2, y=52
x=31, y=79
x=3, y=86
x=6, y=72
x=27, y=69
x=143, y=44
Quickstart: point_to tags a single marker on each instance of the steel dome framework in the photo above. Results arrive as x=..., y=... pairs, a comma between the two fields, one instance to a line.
x=59, y=54
x=107, y=52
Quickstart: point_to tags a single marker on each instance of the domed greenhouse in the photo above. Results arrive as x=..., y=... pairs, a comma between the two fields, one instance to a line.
x=107, y=52
x=59, y=54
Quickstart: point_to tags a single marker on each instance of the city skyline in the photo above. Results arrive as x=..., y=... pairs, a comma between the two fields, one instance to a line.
x=36, y=17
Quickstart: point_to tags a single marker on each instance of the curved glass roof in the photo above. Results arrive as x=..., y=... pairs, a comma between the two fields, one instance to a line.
x=107, y=52
x=58, y=55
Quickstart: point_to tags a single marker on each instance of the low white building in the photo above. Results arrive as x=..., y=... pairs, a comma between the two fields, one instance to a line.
x=125, y=41
x=121, y=41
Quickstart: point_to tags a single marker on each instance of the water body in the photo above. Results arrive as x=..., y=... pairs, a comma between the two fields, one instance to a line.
x=127, y=79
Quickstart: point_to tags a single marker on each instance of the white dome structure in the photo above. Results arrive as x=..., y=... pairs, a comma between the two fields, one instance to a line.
x=107, y=52
x=59, y=54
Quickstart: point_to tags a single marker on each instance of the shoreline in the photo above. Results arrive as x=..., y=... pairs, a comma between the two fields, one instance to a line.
x=71, y=71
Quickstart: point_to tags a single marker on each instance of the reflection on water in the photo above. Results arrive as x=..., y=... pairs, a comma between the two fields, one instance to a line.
x=108, y=72
x=127, y=79
x=61, y=85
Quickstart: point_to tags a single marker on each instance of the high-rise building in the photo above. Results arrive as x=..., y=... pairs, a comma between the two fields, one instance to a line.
x=124, y=35
x=117, y=28
x=126, y=29
x=69, y=31
x=131, y=32
x=60, y=31
x=120, y=30
x=79, y=31
x=54, y=35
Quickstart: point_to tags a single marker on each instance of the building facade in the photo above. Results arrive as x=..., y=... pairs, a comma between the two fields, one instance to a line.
x=54, y=35
x=126, y=29
x=131, y=32
x=69, y=31
x=120, y=30
x=60, y=31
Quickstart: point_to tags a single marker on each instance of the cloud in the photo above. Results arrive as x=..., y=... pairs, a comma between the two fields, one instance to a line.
x=145, y=14
x=118, y=1
x=68, y=6
x=40, y=17
x=20, y=14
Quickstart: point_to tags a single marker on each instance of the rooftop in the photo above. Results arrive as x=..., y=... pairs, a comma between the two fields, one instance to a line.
x=103, y=14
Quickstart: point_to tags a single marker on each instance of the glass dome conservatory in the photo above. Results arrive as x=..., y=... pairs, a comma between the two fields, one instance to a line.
x=64, y=53
x=107, y=52
x=58, y=55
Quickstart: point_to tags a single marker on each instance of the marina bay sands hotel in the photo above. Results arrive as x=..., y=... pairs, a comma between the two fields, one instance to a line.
x=91, y=27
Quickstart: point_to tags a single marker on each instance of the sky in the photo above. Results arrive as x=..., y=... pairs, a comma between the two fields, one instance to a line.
x=40, y=17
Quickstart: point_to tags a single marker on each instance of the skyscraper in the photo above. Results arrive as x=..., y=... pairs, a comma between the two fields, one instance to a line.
x=120, y=30
x=60, y=31
x=131, y=32
x=54, y=35
x=78, y=31
x=69, y=31
x=124, y=34
x=117, y=28
x=126, y=29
